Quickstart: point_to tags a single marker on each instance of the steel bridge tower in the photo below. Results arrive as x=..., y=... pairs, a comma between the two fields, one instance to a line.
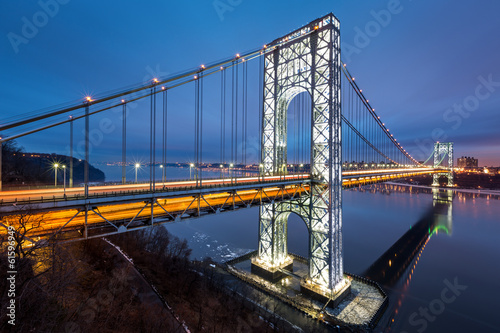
x=306, y=60
x=443, y=149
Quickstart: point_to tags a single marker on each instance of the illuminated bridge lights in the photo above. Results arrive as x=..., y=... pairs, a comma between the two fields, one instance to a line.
x=185, y=199
x=165, y=208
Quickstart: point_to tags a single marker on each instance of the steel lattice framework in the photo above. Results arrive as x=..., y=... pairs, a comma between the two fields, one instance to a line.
x=443, y=149
x=307, y=60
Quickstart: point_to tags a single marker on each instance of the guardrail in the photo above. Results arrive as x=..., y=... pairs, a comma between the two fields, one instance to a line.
x=64, y=197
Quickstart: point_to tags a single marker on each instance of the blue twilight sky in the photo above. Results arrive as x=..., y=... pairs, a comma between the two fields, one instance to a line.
x=431, y=69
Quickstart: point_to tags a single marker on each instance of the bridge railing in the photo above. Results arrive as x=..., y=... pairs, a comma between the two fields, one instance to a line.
x=159, y=189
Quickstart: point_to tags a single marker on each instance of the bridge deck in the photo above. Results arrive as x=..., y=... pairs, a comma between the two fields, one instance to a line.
x=119, y=208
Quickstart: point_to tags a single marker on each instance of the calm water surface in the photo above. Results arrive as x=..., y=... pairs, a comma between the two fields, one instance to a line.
x=451, y=283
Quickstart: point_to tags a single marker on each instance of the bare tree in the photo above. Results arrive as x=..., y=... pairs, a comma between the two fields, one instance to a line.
x=43, y=273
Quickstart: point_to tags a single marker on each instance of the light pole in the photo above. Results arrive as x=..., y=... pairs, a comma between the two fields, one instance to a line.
x=190, y=169
x=300, y=168
x=137, y=165
x=221, y=170
x=55, y=174
x=162, y=173
x=231, y=172
x=64, y=178
x=261, y=173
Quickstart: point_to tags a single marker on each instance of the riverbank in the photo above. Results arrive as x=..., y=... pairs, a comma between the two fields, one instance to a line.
x=454, y=189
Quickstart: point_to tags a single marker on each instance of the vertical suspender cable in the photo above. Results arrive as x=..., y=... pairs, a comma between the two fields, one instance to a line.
x=301, y=132
x=243, y=116
x=124, y=143
x=232, y=113
x=246, y=112
x=365, y=131
x=351, y=113
x=221, y=116
x=261, y=106
x=70, y=153
x=152, y=140
x=86, y=165
x=301, y=126
x=236, y=117
x=164, y=128
x=243, y=113
x=224, y=116
x=201, y=125
x=196, y=133
x=357, y=126
x=165, y=135
x=296, y=130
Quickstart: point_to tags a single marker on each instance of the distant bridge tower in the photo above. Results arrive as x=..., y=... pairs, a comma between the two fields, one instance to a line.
x=306, y=60
x=443, y=149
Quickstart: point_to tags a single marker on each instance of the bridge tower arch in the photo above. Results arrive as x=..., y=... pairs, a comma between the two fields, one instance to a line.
x=307, y=59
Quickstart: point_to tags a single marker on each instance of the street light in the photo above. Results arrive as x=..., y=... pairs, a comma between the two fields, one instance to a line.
x=190, y=168
x=55, y=174
x=64, y=179
x=137, y=166
x=162, y=173
x=230, y=171
x=221, y=170
x=261, y=171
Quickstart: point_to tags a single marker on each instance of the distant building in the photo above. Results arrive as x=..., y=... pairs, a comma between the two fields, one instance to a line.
x=467, y=162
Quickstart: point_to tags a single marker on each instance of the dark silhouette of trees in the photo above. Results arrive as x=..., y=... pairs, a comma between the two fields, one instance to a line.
x=21, y=168
x=44, y=274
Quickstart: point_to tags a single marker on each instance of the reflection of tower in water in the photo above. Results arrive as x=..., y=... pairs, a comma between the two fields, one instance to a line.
x=442, y=200
x=397, y=264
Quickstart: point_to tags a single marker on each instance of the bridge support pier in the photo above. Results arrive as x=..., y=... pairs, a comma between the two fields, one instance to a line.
x=273, y=258
x=273, y=250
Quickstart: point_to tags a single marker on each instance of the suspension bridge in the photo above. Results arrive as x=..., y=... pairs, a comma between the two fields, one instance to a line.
x=316, y=134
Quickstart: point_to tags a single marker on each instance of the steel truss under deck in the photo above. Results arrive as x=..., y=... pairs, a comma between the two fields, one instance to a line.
x=102, y=216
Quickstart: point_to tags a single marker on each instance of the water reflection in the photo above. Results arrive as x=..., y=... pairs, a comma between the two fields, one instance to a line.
x=460, y=194
x=398, y=263
x=392, y=265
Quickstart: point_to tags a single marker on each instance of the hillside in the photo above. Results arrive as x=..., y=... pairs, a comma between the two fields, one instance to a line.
x=22, y=168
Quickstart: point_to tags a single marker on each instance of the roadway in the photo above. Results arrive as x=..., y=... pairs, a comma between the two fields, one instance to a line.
x=78, y=192
x=107, y=219
x=118, y=208
x=349, y=178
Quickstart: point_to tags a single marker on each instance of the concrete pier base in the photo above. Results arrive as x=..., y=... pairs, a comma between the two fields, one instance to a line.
x=271, y=273
x=323, y=295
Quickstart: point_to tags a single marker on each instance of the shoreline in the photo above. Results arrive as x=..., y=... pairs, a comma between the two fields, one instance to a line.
x=462, y=190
